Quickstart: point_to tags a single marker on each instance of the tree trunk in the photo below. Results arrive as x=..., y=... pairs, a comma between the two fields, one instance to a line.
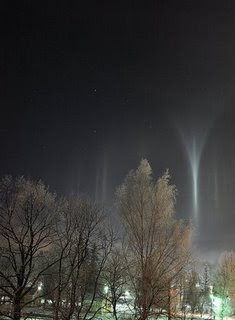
x=17, y=308
x=115, y=311
x=144, y=313
x=169, y=304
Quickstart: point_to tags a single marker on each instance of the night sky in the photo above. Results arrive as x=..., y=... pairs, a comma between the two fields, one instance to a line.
x=89, y=88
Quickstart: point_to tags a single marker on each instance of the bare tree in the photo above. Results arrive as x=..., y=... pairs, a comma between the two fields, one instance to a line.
x=157, y=244
x=76, y=274
x=115, y=280
x=92, y=288
x=26, y=231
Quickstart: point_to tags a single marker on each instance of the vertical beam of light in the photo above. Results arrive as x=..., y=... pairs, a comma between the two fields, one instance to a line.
x=97, y=180
x=193, y=137
x=101, y=178
x=104, y=181
x=194, y=155
x=193, y=149
x=216, y=192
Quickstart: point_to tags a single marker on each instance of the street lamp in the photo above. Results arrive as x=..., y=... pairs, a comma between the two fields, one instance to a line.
x=40, y=286
x=106, y=289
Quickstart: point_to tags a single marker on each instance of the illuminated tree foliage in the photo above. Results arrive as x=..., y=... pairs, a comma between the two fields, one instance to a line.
x=224, y=285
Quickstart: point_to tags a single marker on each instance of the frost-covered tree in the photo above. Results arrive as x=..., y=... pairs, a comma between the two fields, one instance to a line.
x=157, y=243
x=193, y=292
